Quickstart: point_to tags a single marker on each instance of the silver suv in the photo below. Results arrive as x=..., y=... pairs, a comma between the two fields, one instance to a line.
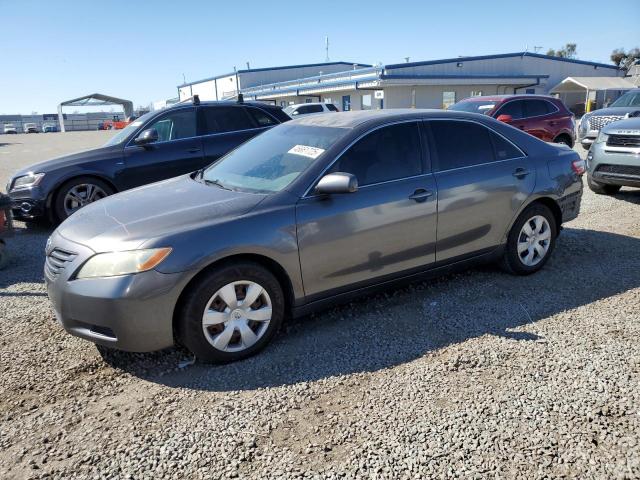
x=628, y=105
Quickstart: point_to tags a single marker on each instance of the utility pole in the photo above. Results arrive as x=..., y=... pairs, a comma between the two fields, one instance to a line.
x=326, y=49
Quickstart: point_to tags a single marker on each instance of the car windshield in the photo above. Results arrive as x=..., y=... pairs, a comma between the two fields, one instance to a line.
x=271, y=161
x=123, y=134
x=629, y=99
x=474, y=106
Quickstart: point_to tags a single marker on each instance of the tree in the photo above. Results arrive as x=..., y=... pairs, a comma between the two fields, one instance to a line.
x=568, y=51
x=624, y=59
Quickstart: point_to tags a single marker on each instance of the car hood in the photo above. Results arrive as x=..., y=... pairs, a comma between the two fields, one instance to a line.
x=127, y=220
x=629, y=126
x=614, y=111
x=72, y=159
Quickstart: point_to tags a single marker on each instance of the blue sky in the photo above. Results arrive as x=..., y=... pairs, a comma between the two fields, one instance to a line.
x=55, y=50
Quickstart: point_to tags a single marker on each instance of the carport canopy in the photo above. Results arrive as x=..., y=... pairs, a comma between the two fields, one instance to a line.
x=94, y=100
x=587, y=85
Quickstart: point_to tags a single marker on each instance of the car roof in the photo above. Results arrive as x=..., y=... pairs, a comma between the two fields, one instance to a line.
x=353, y=119
x=484, y=98
x=226, y=103
x=303, y=104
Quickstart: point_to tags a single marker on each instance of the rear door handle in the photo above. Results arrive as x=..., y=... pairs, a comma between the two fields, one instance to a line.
x=421, y=195
x=521, y=173
x=193, y=150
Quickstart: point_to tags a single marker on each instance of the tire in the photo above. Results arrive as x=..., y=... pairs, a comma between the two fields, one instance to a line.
x=229, y=322
x=564, y=139
x=543, y=240
x=602, y=188
x=81, y=184
x=4, y=255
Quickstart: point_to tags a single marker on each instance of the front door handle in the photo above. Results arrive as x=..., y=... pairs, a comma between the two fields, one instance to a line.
x=421, y=195
x=193, y=150
x=521, y=173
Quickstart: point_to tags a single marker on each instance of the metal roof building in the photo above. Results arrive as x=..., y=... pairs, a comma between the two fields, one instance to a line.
x=427, y=84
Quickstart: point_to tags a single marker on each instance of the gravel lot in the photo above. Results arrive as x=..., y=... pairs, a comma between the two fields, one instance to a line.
x=474, y=375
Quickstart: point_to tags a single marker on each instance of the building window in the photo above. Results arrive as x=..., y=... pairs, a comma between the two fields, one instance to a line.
x=327, y=100
x=448, y=99
x=530, y=91
x=476, y=93
x=459, y=64
x=366, y=102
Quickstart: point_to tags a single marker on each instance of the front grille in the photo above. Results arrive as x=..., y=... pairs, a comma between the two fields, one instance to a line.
x=57, y=261
x=623, y=141
x=596, y=122
x=631, y=170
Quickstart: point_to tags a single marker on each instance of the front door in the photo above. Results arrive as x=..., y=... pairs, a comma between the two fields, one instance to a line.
x=177, y=151
x=386, y=227
x=482, y=179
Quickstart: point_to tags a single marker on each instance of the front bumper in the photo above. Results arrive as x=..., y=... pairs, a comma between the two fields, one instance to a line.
x=614, y=167
x=28, y=204
x=127, y=312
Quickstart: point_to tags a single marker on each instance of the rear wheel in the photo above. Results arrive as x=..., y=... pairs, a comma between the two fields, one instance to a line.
x=531, y=240
x=77, y=193
x=564, y=140
x=602, y=188
x=231, y=313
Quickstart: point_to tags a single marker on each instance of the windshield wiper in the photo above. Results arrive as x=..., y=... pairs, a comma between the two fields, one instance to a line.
x=215, y=182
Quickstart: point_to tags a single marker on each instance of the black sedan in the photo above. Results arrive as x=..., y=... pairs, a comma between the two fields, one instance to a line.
x=157, y=146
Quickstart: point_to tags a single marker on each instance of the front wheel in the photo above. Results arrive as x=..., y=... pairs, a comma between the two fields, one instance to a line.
x=77, y=193
x=601, y=188
x=231, y=313
x=531, y=241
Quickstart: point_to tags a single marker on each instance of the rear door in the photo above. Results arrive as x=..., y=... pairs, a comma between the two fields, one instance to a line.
x=386, y=227
x=540, y=118
x=482, y=180
x=177, y=151
x=223, y=128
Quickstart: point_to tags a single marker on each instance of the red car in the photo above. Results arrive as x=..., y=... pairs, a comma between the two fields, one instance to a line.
x=539, y=115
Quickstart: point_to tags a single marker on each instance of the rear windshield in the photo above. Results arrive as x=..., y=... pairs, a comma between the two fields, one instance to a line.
x=474, y=106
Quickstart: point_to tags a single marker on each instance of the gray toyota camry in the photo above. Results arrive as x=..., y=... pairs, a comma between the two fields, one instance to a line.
x=309, y=213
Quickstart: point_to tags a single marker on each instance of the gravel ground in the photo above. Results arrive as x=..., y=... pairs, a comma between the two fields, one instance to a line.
x=473, y=375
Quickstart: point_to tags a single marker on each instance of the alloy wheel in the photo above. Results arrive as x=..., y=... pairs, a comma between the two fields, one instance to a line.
x=534, y=240
x=237, y=316
x=82, y=195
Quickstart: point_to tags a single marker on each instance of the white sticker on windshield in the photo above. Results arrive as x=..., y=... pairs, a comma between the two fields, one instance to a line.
x=137, y=123
x=486, y=107
x=306, y=151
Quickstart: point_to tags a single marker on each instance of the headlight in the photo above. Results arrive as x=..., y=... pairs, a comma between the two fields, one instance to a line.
x=584, y=123
x=602, y=137
x=27, y=181
x=123, y=263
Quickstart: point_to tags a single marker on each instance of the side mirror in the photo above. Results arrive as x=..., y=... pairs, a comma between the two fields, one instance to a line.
x=146, y=137
x=338, y=182
x=505, y=118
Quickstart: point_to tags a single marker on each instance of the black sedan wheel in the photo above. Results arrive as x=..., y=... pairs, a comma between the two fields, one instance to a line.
x=77, y=193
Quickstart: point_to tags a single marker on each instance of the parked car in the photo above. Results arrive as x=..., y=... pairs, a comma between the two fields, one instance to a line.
x=539, y=115
x=158, y=145
x=49, y=127
x=613, y=160
x=628, y=105
x=310, y=212
x=30, y=128
x=10, y=128
x=307, y=108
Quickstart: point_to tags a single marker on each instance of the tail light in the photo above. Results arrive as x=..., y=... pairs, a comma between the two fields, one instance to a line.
x=578, y=166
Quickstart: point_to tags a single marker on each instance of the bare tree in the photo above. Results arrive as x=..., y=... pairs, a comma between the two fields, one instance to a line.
x=570, y=50
x=624, y=59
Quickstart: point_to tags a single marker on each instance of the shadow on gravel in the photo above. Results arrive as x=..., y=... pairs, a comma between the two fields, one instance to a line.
x=26, y=257
x=628, y=195
x=401, y=325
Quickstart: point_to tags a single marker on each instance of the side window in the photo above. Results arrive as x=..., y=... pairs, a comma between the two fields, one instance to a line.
x=310, y=109
x=176, y=125
x=261, y=118
x=460, y=144
x=537, y=108
x=504, y=150
x=389, y=153
x=513, y=108
x=225, y=119
x=331, y=107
